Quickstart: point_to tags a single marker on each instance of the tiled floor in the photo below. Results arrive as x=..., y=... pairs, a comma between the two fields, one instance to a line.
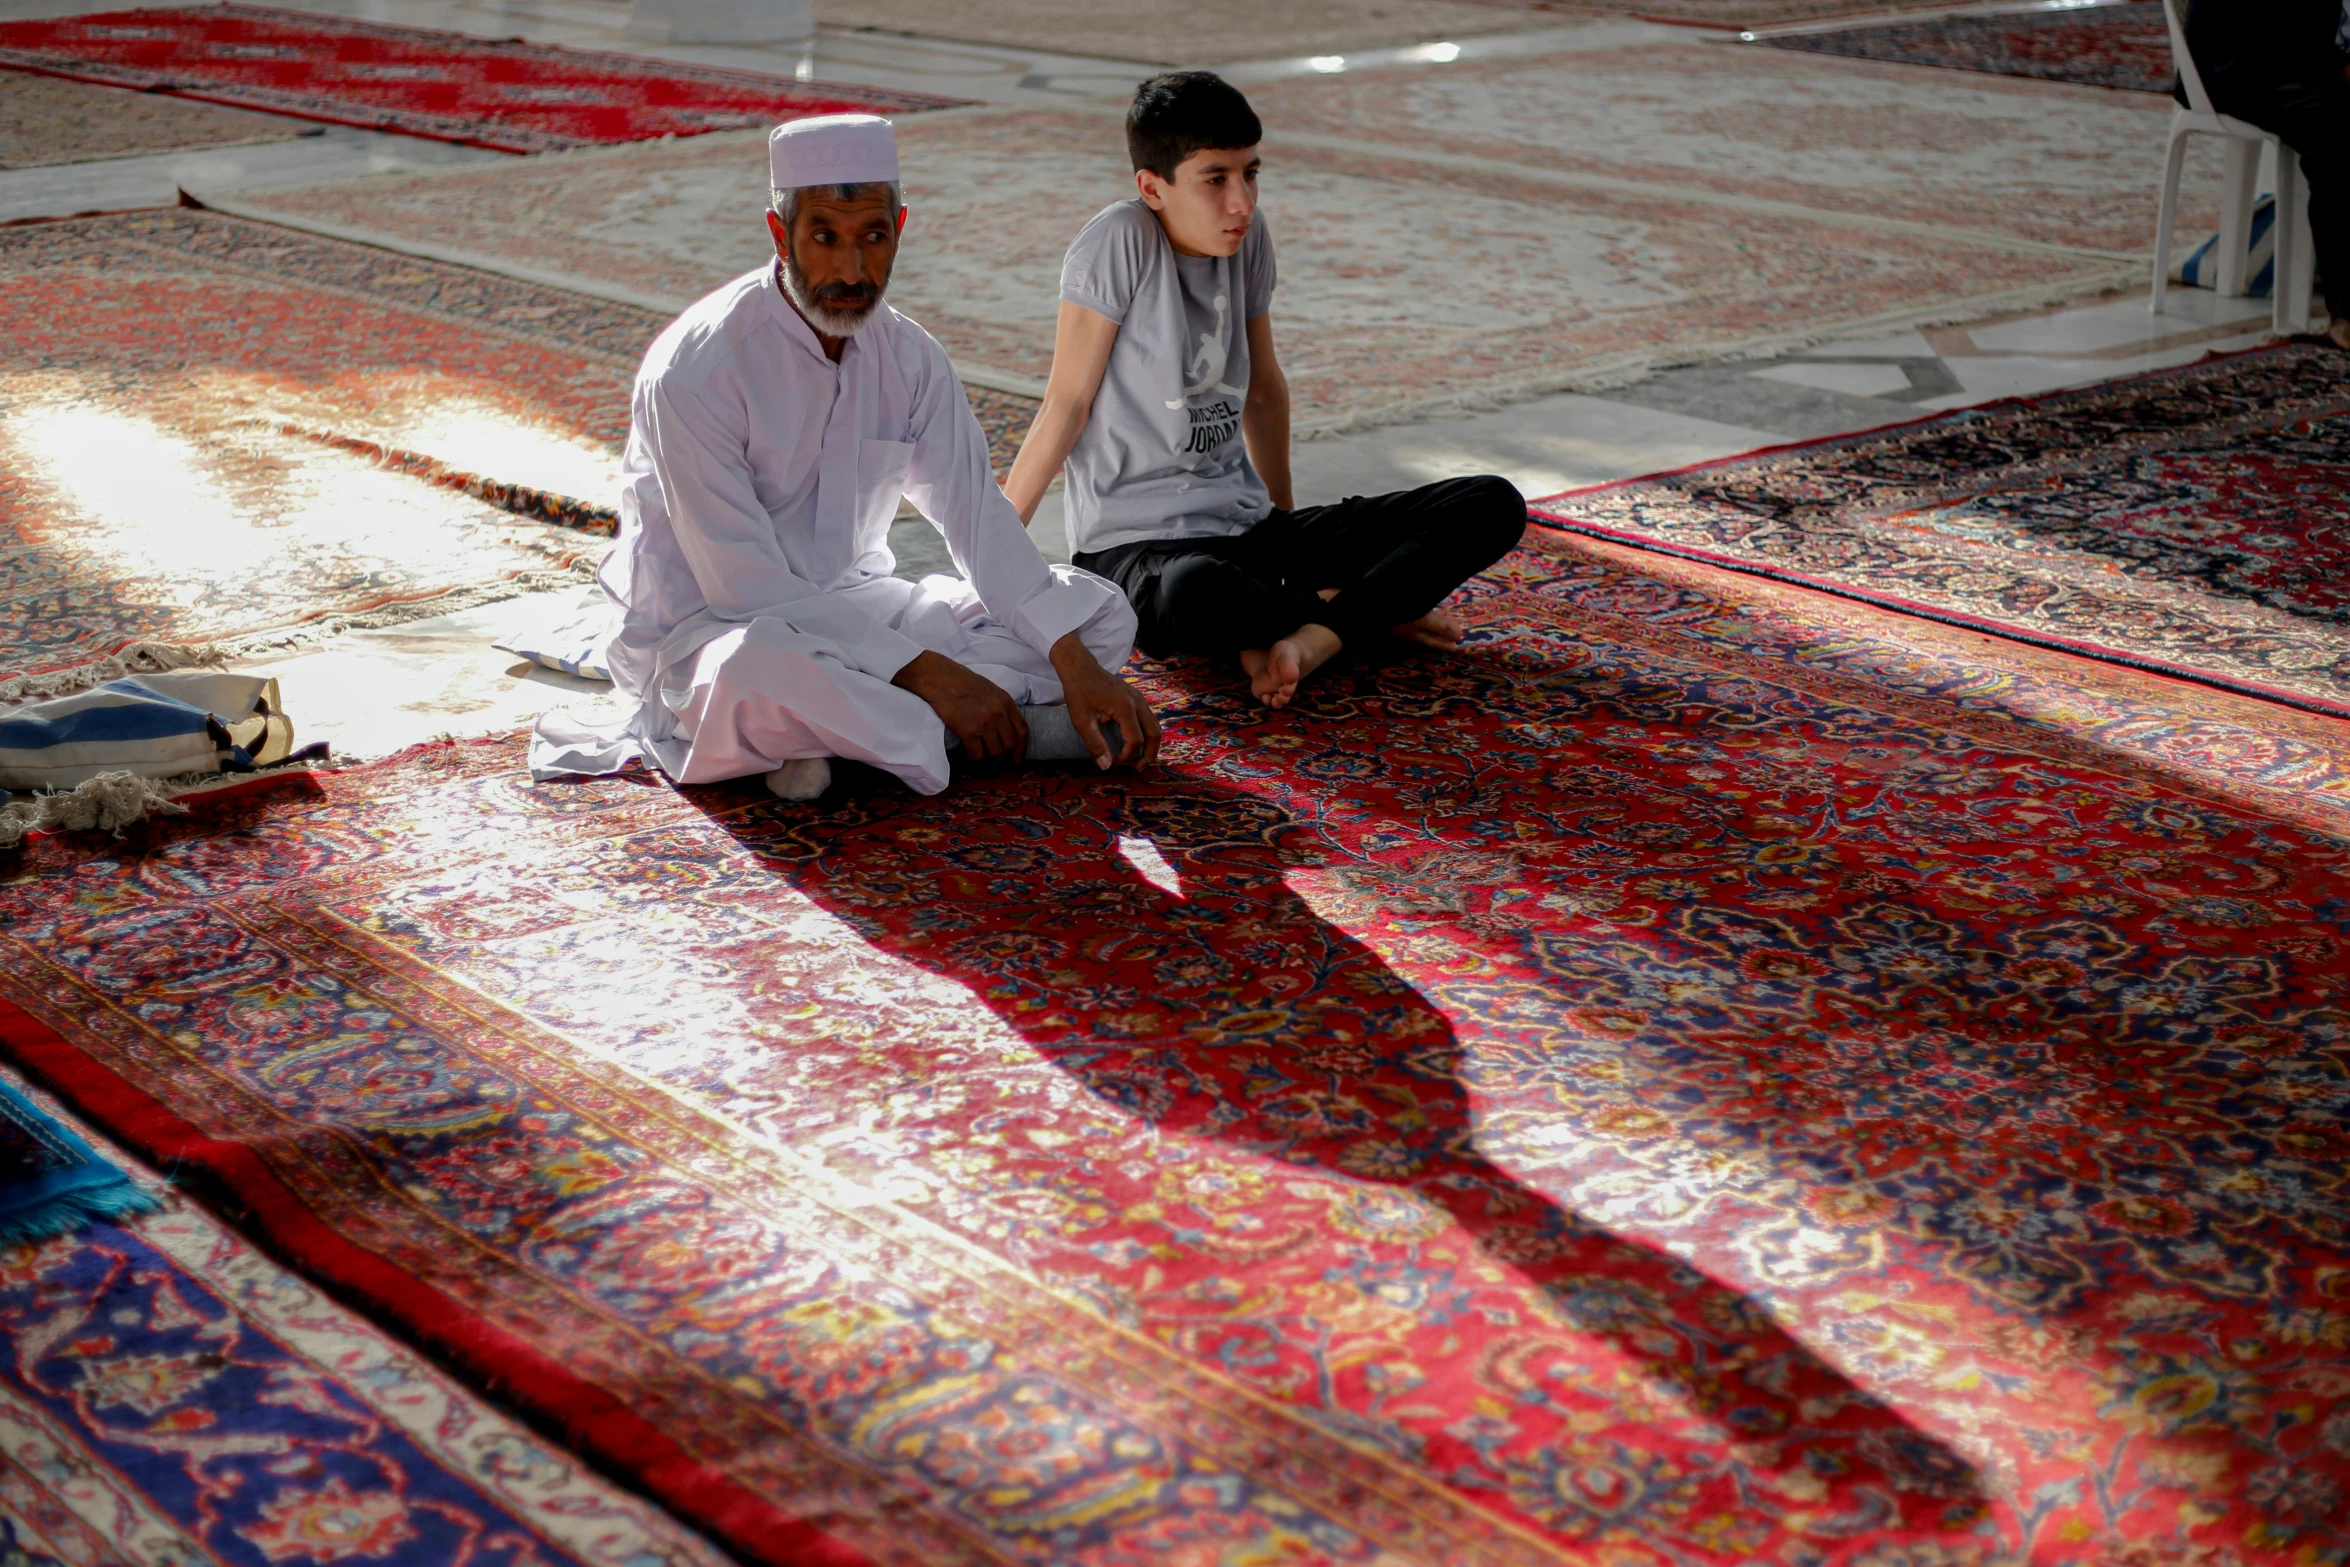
x=330, y=152
x=374, y=691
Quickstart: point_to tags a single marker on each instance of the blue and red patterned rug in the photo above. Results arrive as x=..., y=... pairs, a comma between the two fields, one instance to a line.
x=1709, y=1074
x=2125, y=45
x=171, y=1395
x=2188, y=522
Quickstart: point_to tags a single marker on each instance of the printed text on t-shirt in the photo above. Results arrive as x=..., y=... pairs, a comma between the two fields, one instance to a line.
x=1213, y=424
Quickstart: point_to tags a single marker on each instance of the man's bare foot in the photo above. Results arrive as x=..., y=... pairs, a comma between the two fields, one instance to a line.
x=804, y=779
x=2339, y=330
x=1435, y=630
x=1274, y=672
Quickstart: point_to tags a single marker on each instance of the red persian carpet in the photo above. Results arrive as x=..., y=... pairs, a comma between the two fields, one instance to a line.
x=1710, y=1074
x=491, y=92
x=2124, y=45
x=2189, y=522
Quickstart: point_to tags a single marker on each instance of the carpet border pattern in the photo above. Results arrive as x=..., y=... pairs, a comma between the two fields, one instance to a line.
x=1717, y=525
x=1985, y=33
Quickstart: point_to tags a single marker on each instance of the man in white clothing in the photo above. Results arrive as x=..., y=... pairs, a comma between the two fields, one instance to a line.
x=775, y=427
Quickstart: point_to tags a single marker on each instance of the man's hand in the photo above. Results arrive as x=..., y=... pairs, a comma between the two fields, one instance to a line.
x=975, y=710
x=1095, y=695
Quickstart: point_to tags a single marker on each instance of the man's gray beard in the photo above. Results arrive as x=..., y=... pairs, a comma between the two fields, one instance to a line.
x=825, y=319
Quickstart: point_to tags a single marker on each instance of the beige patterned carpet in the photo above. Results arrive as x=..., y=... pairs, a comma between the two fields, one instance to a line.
x=1185, y=32
x=1214, y=32
x=1706, y=13
x=2035, y=162
x=1447, y=238
x=45, y=121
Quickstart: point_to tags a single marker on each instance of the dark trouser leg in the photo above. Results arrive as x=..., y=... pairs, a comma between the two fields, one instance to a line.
x=1392, y=558
x=1208, y=596
x=2314, y=118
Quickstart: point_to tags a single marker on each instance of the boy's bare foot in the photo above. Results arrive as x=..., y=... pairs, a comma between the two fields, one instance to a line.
x=1435, y=630
x=2339, y=330
x=1274, y=672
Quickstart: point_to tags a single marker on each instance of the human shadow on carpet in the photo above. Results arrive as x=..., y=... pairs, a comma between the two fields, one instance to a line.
x=1144, y=937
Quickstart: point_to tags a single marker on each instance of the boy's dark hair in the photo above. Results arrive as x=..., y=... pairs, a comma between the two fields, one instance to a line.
x=1178, y=113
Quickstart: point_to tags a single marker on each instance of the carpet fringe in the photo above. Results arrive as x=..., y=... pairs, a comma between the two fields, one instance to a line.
x=107, y=803
x=70, y=1213
x=112, y=801
x=139, y=658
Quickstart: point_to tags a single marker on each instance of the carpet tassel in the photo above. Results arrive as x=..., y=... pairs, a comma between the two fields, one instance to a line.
x=107, y=803
x=70, y=1213
x=139, y=658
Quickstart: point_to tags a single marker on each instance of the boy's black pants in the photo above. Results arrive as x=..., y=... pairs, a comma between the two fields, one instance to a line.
x=1392, y=558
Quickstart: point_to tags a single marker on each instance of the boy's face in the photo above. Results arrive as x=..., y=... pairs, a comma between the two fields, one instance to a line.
x=1207, y=207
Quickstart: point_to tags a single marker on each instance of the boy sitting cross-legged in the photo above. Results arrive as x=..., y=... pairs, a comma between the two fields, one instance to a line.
x=1169, y=409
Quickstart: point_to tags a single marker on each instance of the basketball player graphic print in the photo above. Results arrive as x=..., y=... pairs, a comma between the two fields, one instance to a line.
x=1214, y=404
x=1208, y=362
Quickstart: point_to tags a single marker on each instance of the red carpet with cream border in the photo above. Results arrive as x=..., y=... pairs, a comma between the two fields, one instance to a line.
x=490, y=92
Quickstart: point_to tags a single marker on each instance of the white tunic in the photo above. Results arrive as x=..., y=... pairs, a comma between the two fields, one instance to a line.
x=758, y=617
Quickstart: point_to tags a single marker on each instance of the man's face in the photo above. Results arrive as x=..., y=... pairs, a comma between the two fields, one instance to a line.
x=838, y=256
x=1207, y=206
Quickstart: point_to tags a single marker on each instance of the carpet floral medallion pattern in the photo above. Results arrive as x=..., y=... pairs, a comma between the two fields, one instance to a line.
x=2125, y=46
x=171, y=1396
x=2188, y=522
x=1708, y=1074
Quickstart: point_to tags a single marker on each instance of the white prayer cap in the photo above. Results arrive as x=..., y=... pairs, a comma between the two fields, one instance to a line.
x=832, y=149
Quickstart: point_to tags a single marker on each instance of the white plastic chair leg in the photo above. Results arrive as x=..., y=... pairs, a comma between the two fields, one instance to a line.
x=2173, y=163
x=2239, y=181
x=2296, y=265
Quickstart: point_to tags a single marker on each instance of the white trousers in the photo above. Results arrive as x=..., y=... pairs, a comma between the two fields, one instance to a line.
x=763, y=694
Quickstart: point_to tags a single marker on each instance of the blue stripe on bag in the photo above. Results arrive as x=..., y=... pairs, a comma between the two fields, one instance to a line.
x=2201, y=268
x=97, y=725
x=117, y=710
x=120, y=725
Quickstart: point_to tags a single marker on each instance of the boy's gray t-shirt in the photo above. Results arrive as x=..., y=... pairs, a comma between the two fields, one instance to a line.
x=1161, y=455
